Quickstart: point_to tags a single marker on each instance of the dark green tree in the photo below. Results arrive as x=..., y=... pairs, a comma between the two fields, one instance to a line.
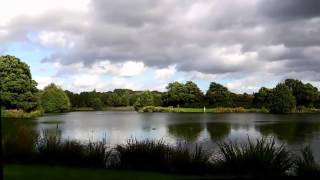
x=176, y=93
x=242, y=100
x=218, y=96
x=262, y=98
x=305, y=94
x=317, y=103
x=184, y=95
x=94, y=100
x=54, y=99
x=17, y=89
x=194, y=96
x=157, y=98
x=282, y=100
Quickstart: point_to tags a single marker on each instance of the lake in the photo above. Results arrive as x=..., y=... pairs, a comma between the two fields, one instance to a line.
x=206, y=129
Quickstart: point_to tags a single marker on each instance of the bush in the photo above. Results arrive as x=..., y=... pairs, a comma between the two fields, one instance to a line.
x=306, y=165
x=260, y=159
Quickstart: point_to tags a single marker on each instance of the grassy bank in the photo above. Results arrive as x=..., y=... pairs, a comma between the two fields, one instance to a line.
x=33, y=172
x=14, y=113
x=201, y=110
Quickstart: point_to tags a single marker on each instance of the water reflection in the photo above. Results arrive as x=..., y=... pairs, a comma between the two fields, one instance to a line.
x=296, y=130
x=291, y=131
x=188, y=131
x=218, y=130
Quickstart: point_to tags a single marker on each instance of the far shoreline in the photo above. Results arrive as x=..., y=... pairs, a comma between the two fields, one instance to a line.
x=19, y=114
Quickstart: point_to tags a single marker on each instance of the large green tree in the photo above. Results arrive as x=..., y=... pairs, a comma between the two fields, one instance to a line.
x=242, y=100
x=175, y=94
x=54, y=99
x=218, y=96
x=194, y=96
x=17, y=89
x=282, y=100
x=305, y=94
x=187, y=95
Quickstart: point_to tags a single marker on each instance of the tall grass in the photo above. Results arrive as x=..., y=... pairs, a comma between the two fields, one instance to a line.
x=262, y=158
x=306, y=165
x=51, y=150
x=16, y=113
x=19, y=148
x=156, y=155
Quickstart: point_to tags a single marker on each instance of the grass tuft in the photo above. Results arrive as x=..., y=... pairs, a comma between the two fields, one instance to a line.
x=306, y=165
x=262, y=158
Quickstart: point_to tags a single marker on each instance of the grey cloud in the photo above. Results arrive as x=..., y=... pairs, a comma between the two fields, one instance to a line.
x=163, y=33
x=285, y=10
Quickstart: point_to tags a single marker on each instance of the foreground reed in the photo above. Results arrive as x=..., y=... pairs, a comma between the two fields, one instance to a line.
x=51, y=150
x=253, y=159
x=156, y=155
x=262, y=158
x=306, y=165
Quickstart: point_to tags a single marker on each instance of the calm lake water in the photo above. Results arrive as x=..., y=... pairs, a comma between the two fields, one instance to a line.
x=206, y=129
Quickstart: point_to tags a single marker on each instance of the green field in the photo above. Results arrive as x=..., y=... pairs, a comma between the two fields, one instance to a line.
x=32, y=172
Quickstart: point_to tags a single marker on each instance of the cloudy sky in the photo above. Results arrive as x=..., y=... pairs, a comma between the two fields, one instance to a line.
x=144, y=44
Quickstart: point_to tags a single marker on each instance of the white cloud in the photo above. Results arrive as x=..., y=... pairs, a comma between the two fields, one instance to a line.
x=55, y=40
x=46, y=80
x=10, y=9
x=84, y=81
x=131, y=68
x=252, y=83
x=165, y=74
x=201, y=38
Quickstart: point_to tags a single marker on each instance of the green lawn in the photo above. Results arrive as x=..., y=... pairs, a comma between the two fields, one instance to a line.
x=33, y=172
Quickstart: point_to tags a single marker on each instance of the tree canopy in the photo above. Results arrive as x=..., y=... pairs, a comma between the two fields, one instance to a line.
x=187, y=95
x=17, y=89
x=305, y=94
x=282, y=100
x=144, y=99
x=218, y=96
x=54, y=99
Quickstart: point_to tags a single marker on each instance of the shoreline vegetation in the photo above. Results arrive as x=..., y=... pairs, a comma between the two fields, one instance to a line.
x=20, y=114
x=14, y=113
x=22, y=99
x=259, y=158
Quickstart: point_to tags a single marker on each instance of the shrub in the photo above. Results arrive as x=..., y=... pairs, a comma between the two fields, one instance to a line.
x=260, y=159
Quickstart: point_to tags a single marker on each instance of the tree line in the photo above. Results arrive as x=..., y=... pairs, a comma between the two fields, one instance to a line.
x=18, y=91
